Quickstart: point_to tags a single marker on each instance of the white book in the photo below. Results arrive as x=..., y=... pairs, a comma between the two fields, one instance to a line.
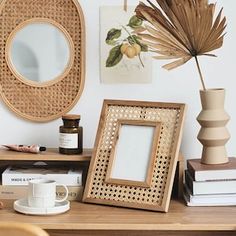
x=210, y=187
x=15, y=175
x=202, y=172
x=21, y=191
x=209, y=199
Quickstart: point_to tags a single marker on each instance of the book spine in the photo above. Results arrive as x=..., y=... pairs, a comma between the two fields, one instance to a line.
x=17, y=192
x=75, y=193
x=210, y=187
x=188, y=181
x=191, y=170
x=17, y=179
x=199, y=204
x=13, y=192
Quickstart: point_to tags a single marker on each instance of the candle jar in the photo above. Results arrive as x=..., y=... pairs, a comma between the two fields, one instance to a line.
x=71, y=135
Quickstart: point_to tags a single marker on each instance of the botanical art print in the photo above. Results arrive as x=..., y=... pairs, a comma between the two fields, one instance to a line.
x=124, y=58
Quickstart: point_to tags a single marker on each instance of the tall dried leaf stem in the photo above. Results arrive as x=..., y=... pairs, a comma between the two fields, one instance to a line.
x=200, y=73
x=179, y=30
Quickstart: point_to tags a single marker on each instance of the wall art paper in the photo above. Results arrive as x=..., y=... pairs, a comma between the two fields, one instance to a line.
x=123, y=57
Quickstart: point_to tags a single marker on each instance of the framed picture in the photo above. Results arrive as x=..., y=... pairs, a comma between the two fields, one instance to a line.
x=136, y=151
x=123, y=57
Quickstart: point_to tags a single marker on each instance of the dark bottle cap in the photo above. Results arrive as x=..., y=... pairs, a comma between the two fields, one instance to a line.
x=41, y=149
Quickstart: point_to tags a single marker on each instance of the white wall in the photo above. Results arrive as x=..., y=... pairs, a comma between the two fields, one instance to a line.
x=180, y=85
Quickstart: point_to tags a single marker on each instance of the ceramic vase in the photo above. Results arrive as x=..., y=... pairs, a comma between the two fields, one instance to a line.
x=213, y=134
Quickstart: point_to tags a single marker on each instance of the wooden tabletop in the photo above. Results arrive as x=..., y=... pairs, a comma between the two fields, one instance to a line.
x=51, y=154
x=96, y=217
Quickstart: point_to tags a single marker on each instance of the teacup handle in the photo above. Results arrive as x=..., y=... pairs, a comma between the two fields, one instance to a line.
x=67, y=193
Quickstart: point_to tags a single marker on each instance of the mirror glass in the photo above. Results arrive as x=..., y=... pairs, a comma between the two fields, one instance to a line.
x=133, y=152
x=39, y=52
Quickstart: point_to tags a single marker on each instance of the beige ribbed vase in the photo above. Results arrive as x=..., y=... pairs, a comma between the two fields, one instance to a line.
x=213, y=134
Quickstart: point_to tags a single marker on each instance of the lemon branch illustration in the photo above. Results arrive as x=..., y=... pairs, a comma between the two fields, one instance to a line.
x=130, y=46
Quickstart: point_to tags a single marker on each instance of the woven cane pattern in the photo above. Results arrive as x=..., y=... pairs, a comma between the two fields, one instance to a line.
x=170, y=120
x=49, y=102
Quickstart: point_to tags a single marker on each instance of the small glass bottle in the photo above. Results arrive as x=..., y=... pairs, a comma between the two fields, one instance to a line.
x=71, y=135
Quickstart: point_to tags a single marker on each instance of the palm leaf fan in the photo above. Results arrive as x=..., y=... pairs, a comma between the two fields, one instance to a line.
x=181, y=30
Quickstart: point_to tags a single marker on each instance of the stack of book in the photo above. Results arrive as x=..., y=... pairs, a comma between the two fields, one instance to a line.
x=15, y=180
x=210, y=185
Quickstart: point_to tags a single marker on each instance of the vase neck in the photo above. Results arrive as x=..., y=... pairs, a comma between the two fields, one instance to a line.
x=212, y=99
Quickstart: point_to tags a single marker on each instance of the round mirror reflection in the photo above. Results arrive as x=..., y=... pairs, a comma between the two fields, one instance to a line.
x=39, y=52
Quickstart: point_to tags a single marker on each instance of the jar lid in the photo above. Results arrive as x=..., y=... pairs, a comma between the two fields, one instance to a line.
x=71, y=117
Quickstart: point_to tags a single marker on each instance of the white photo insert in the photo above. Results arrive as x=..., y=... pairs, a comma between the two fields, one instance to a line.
x=133, y=153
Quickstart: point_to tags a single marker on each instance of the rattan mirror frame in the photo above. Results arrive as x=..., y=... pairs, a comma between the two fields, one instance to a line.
x=49, y=100
x=156, y=196
x=21, y=77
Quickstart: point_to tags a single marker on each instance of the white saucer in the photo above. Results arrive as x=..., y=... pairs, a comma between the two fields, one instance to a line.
x=21, y=206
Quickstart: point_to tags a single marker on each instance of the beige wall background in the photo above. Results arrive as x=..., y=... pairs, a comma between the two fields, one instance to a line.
x=180, y=85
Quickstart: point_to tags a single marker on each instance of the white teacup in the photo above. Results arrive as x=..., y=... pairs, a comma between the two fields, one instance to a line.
x=42, y=193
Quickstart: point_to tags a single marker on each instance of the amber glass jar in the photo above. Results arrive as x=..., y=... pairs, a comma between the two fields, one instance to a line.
x=71, y=135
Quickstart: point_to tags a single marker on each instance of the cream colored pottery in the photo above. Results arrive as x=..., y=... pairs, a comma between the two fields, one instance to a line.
x=213, y=134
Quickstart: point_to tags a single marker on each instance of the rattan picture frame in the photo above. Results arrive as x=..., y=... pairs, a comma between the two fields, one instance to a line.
x=155, y=194
x=50, y=100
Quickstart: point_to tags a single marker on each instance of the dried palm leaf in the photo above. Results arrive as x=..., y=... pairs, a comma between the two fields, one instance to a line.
x=181, y=30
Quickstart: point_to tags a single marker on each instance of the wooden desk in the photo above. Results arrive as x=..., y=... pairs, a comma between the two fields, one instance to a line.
x=86, y=219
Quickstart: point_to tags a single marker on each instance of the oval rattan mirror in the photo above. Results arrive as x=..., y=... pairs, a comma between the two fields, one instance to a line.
x=60, y=89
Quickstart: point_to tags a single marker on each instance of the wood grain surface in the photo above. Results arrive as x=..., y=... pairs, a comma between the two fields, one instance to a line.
x=90, y=217
x=52, y=154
